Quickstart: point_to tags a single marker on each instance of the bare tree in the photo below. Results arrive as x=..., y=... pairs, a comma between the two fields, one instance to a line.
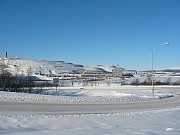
x=168, y=81
x=5, y=80
x=149, y=79
x=29, y=81
x=108, y=83
x=135, y=82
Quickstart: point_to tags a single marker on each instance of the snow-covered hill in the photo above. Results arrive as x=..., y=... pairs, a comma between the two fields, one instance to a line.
x=103, y=67
x=52, y=68
x=26, y=66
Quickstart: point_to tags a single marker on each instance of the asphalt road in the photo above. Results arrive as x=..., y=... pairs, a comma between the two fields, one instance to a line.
x=52, y=108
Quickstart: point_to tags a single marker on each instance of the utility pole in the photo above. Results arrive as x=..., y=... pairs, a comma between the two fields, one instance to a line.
x=152, y=76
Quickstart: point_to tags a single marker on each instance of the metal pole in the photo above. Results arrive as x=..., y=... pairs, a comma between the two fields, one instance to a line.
x=152, y=76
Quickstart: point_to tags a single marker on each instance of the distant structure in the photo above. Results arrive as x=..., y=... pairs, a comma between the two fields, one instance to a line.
x=6, y=56
x=4, y=59
x=117, y=72
x=3, y=62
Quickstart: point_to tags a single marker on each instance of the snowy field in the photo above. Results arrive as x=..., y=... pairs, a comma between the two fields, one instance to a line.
x=139, y=122
x=113, y=94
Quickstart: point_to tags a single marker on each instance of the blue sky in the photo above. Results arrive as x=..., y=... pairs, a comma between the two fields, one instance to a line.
x=103, y=32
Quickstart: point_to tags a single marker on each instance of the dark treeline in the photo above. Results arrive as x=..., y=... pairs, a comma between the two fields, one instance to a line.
x=9, y=82
x=148, y=81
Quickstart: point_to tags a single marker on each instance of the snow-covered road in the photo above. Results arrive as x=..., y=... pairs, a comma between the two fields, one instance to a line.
x=92, y=111
x=58, y=108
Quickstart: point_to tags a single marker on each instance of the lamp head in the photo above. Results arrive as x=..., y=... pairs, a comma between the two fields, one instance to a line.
x=167, y=43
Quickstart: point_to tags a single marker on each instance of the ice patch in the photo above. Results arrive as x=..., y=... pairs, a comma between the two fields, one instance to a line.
x=173, y=130
x=116, y=93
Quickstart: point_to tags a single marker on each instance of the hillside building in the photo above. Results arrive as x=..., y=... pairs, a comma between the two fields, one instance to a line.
x=117, y=72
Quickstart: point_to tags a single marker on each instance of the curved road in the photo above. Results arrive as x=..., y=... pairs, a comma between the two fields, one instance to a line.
x=52, y=108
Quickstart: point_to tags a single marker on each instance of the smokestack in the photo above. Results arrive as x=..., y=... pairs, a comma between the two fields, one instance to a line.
x=6, y=55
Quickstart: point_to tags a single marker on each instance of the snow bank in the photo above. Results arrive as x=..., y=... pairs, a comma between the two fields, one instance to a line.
x=92, y=94
x=142, y=122
x=23, y=97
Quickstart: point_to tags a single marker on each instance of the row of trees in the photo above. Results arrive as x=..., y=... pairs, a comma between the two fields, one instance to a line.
x=148, y=81
x=8, y=82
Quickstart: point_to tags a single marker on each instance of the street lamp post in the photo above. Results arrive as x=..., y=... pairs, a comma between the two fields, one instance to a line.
x=152, y=76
